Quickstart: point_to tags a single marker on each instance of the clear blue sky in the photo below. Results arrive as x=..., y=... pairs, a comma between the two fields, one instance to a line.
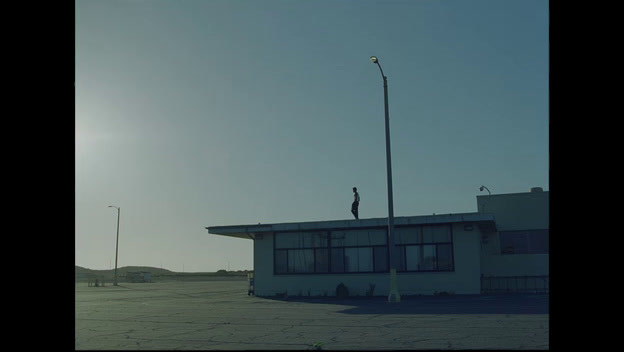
x=195, y=113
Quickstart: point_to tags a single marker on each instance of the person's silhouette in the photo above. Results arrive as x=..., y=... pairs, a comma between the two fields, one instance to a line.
x=356, y=203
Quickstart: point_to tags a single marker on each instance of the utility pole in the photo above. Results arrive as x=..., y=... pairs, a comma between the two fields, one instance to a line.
x=117, y=242
x=394, y=295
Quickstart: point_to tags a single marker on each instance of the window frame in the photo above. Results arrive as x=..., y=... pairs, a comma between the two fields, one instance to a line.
x=402, y=249
x=527, y=234
x=330, y=249
x=287, y=249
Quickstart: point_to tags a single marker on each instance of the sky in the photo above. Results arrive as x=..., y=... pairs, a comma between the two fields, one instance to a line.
x=197, y=113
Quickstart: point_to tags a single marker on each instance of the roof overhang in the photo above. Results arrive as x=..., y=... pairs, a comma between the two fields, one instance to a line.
x=485, y=221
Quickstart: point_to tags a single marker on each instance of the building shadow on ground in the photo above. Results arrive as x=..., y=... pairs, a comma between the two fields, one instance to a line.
x=456, y=304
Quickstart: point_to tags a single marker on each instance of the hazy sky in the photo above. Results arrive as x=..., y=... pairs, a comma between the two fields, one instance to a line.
x=195, y=113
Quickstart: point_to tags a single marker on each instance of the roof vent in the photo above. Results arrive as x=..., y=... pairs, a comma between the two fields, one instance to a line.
x=536, y=189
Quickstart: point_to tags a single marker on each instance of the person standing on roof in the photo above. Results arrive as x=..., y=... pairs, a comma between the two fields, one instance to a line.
x=356, y=203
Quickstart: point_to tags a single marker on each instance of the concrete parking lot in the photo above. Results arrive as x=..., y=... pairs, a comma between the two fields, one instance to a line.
x=220, y=315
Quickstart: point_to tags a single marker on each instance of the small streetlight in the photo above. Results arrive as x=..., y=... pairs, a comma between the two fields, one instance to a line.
x=117, y=243
x=489, y=195
x=482, y=187
x=394, y=295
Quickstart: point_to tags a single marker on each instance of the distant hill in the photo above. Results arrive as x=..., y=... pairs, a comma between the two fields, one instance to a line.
x=123, y=270
x=158, y=274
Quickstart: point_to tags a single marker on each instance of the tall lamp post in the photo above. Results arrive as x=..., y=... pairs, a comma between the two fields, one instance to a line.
x=394, y=295
x=117, y=242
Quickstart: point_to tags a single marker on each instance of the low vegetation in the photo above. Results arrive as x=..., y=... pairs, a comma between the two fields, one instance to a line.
x=158, y=274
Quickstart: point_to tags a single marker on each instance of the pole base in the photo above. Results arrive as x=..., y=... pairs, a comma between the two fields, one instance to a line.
x=394, y=295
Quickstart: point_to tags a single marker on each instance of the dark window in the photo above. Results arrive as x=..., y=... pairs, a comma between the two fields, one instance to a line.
x=358, y=238
x=357, y=251
x=425, y=248
x=525, y=242
x=539, y=241
x=412, y=257
x=401, y=253
x=350, y=260
x=514, y=242
x=301, y=252
x=420, y=258
x=445, y=256
x=300, y=260
x=301, y=240
x=418, y=248
x=381, y=258
x=408, y=235
x=439, y=234
x=321, y=260
x=281, y=261
x=358, y=259
x=337, y=260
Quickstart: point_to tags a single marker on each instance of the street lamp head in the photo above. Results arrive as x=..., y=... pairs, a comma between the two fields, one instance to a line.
x=487, y=189
x=373, y=59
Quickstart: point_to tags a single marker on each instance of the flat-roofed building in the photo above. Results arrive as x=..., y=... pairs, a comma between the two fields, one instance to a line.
x=450, y=253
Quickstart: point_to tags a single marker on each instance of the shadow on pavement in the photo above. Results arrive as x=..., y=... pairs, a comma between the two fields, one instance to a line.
x=457, y=304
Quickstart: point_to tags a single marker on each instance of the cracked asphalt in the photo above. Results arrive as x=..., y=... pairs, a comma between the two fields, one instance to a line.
x=220, y=315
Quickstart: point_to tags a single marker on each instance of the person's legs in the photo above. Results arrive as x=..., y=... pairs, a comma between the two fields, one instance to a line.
x=354, y=209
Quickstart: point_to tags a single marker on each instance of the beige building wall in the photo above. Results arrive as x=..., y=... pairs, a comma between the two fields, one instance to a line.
x=464, y=280
x=515, y=211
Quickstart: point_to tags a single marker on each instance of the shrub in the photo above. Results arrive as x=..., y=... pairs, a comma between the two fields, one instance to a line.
x=342, y=291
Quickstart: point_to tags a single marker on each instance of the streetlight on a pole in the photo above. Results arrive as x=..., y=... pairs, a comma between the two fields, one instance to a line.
x=394, y=295
x=489, y=195
x=117, y=242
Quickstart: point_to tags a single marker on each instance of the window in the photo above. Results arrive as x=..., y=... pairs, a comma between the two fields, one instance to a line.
x=300, y=260
x=337, y=260
x=418, y=248
x=401, y=254
x=407, y=236
x=354, y=238
x=412, y=257
x=539, y=241
x=321, y=260
x=425, y=248
x=358, y=251
x=525, y=242
x=358, y=259
x=420, y=258
x=423, y=234
x=301, y=240
x=301, y=252
x=380, y=256
x=281, y=261
x=350, y=251
x=445, y=257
